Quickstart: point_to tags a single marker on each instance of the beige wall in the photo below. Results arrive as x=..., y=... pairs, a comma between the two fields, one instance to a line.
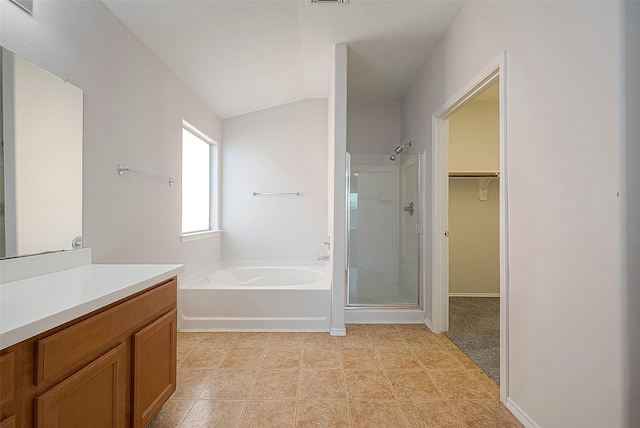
x=474, y=252
x=474, y=264
x=474, y=137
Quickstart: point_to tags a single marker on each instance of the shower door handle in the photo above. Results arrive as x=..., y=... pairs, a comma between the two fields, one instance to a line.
x=410, y=208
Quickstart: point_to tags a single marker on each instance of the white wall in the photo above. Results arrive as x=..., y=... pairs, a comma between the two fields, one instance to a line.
x=2, y=212
x=337, y=149
x=566, y=235
x=2, y=169
x=373, y=126
x=281, y=149
x=632, y=155
x=133, y=111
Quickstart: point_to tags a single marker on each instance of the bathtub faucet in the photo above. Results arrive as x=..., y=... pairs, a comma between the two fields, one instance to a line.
x=324, y=258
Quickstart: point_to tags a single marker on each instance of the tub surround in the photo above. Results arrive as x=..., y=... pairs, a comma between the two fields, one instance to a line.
x=68, y=288
x=255, y=297
x=270, y=276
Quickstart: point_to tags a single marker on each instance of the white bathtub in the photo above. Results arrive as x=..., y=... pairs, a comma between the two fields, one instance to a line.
x=255, y=298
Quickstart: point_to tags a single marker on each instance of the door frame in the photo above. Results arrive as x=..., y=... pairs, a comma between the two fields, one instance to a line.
x=496, y=70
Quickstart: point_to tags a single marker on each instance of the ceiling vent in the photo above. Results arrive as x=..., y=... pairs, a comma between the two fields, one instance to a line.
x=329, y=1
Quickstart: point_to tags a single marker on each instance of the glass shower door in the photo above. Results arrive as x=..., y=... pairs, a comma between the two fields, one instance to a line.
x=383, y=231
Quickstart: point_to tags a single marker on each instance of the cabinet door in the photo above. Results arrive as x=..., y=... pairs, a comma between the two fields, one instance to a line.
x=94, y=396
x=8, y=362
x=10, y=368
x=9, y=422
x=154, y=367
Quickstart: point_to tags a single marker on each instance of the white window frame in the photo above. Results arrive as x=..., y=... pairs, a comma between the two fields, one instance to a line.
x=214, y=188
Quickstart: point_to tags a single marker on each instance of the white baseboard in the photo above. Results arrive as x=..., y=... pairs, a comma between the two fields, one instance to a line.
x=429, y=325
x=520, y=414
x=474, y=294
x=338, y=332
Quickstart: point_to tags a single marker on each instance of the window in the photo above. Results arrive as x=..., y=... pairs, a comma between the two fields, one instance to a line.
x=199, y=183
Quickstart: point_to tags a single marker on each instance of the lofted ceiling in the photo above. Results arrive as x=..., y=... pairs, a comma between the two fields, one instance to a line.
x=241, y=56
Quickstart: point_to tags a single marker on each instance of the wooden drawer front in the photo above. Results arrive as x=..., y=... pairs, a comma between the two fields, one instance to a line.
x=63, y=352
x=154, y=368
x=94, y=396
x=9, y=422
x=7, y=375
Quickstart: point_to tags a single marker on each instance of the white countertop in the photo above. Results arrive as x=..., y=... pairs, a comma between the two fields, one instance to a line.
x=32, y=306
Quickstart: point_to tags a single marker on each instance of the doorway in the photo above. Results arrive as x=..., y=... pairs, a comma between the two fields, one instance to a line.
x=491, y=184
x=473, y=226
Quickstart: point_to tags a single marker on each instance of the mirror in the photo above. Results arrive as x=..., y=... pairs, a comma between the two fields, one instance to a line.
x=40, y=160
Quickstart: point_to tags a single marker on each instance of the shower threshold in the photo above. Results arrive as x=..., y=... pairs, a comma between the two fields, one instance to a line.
x=384, y=314
x=359, y=306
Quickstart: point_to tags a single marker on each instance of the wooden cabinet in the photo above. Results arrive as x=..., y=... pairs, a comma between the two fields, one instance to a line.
x=115, y=367
x=10, y=386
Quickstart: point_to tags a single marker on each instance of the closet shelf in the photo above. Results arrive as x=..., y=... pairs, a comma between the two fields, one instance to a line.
x=484, y=178
x=474, y=174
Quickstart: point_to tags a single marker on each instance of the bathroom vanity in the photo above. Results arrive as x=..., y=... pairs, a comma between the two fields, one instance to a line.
x=93, y=345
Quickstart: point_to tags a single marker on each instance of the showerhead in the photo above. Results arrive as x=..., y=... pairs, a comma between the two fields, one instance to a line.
x=399, y=150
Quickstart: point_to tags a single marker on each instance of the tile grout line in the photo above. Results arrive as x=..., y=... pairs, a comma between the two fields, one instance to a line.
x=344, y=385
x=393, y=391
x=447, y=400
x=255, y=378
x=215, y=370
x=182, y=420
x=193, y=347
x=300, y=358
x=422, y=366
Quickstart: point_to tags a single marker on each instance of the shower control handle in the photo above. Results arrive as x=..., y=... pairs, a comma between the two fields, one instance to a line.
x=327, y=243
x=410, y=208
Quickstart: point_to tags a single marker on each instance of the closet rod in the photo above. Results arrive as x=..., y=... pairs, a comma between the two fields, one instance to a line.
x=453, y=174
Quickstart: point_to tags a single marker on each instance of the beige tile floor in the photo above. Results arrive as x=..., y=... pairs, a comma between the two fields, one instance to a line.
x=376, y=376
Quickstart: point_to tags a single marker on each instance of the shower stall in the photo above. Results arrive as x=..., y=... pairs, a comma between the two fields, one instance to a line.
x=383, y=230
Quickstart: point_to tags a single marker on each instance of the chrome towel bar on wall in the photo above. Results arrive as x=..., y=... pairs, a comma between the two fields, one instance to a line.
x=275, y=193
x=122, y=170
